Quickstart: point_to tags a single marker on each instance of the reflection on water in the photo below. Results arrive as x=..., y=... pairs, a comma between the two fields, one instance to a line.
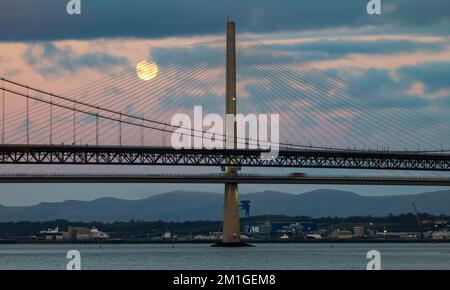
x=202, y=256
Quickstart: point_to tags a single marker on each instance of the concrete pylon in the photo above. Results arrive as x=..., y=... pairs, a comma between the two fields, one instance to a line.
x=231, y=225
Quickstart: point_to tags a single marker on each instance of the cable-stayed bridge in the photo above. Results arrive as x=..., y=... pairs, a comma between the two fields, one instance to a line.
x=124, y=120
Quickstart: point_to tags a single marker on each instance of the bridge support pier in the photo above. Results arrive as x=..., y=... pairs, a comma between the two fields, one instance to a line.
x=231, y=224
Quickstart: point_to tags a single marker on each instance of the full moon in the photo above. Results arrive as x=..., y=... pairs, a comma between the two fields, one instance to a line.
x=146, y=70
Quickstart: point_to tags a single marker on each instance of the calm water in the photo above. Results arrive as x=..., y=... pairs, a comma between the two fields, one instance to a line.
x=202, y=256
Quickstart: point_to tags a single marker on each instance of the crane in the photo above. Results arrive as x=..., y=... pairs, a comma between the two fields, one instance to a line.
x=245, y=208
x=419, y=221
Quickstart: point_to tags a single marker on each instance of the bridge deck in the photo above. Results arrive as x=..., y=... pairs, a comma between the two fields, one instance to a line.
x=222, y=178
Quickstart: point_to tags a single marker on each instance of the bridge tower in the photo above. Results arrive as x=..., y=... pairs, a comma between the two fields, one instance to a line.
x=231, y=225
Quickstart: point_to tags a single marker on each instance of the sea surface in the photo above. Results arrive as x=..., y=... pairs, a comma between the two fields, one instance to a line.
x=202, y=256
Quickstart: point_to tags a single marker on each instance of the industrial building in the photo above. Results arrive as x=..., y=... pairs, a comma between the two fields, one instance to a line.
x=359, y=231
x=72, y=233
x=281, y=228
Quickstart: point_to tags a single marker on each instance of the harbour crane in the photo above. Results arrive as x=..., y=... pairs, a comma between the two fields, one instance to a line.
x=419, y=220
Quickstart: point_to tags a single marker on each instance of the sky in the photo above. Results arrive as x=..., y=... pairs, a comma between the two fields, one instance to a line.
x=402, y=55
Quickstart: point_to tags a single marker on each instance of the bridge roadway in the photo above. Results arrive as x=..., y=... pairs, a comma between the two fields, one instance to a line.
x=305, y=158
x=223, y=178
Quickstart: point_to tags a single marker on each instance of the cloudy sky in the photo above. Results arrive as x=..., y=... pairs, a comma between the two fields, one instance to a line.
x=402, y=55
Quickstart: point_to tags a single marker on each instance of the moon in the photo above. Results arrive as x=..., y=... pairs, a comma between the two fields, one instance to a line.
x=146, y=70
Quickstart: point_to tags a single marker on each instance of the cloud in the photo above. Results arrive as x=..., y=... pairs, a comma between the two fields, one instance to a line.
x=434, y=75
x=211, y=54
x=161, y=18
x=420, y=13
x=333, y=49
x=418, y=93
x=49, y=59
x=382, y=83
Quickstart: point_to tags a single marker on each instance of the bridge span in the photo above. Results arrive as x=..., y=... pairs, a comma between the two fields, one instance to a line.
x=224, y=178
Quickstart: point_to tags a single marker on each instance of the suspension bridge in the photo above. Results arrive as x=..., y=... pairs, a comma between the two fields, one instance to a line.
x=123, y=121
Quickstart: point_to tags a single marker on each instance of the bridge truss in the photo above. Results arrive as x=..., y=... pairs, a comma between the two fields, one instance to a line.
x=130, y=155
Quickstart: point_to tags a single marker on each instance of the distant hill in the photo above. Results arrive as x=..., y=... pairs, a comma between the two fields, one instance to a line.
x=186, y=205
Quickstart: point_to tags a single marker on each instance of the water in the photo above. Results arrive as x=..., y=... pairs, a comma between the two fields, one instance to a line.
x=202, y=256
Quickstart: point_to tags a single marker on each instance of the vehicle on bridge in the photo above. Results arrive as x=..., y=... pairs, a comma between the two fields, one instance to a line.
x=297, y=174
